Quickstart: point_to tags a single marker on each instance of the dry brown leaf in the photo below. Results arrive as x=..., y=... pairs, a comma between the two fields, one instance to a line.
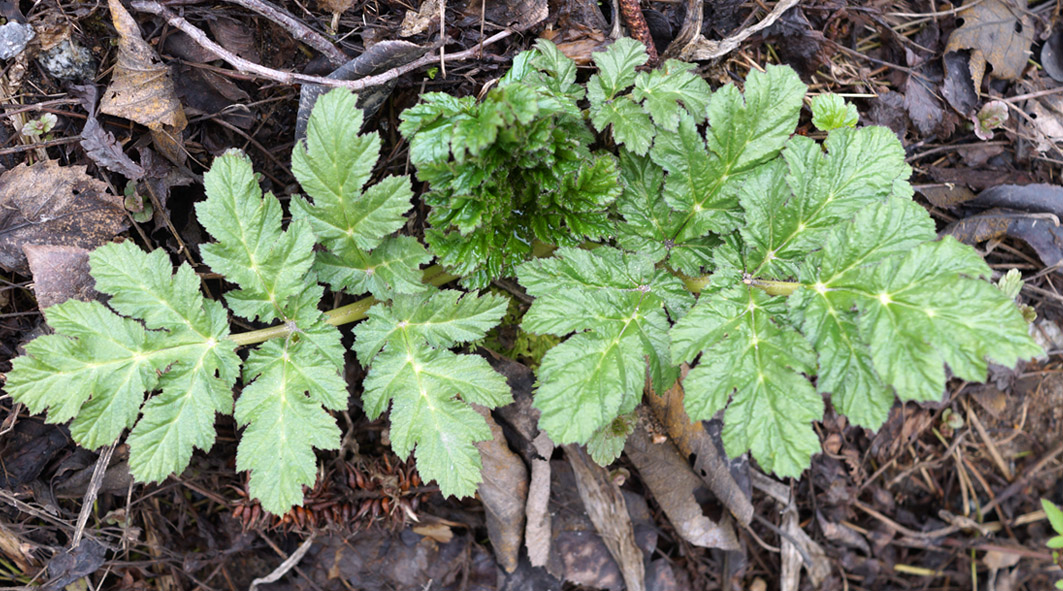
x=537, y=510
x=51, y=204
x=608, y=512
x=669, y=477
x=141, y=89
x=417, y=21
x=709, y=462
x=998, y=32
x=336, y=6
x=520, y=15
x=236, y=36
x=504, y=492
x=59, y=273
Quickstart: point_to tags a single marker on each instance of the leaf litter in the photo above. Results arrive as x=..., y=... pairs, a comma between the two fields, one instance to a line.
x=887, y=62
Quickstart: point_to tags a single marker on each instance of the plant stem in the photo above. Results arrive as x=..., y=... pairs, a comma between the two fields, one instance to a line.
x=772, y=287
x=434, y=275
x=694, y=284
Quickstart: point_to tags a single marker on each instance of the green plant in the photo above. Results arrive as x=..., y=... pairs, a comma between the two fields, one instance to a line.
x=512, y=168
x=160, y=334
x=785, y=268
x=1055, y=518
x=820, y=266
x=40, y=127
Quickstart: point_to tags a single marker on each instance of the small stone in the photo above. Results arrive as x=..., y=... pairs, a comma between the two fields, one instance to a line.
x=68, y=60
x=14, y=37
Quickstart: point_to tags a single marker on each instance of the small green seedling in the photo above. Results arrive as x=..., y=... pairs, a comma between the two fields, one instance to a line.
x=1055, y=517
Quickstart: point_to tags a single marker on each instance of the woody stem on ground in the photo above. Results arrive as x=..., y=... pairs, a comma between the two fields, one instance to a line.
x=249, y=67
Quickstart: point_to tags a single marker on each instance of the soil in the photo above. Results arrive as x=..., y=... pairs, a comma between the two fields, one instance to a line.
x=945, y=496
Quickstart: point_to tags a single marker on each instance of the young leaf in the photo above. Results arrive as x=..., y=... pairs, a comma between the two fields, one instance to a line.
x=405, y=347
x=1054, y=514
x=353, y=222
x=592, y=377
x=251, y=250
x=667, y=91
x=746, y=129
x=830, y=111
x=757, y=364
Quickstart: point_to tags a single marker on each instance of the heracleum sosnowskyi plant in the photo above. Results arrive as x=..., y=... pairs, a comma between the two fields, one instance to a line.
x=158, y=333
x=783, y=268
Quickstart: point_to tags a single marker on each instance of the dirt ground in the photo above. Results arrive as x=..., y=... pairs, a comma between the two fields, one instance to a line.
x=946, y=496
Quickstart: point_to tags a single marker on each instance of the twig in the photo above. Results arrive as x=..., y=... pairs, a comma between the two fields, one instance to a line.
x=300, y=31
x=89, y=501
x=288, y=564
x=282, y=77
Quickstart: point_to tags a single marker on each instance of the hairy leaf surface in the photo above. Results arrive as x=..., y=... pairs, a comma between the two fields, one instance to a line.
x=430, y=388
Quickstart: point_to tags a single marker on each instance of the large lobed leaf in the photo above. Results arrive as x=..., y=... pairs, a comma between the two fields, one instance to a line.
x=429, y=388
x=615, y=303
x=99, y=366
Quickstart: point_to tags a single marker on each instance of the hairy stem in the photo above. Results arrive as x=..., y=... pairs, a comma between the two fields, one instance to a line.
x=434, y=275
x=772, y=287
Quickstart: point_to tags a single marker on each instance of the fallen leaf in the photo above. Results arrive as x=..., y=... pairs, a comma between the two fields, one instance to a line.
x=99, y=144
x=946, y=195
x=71, y=564
x=521, y=15
x=336, y=6
x=536, y=451
x=59, y=273
x=141, y=89
x=978, y=179
x=710, y=463
x=236, y=36
x=417, y=21
x=1047, y=124
x=995, y=31
x=669, y=477
x=925, y=110
x=996, y=560
x=1032, y=198
x=958, y=86
x=608, y=512
x=51, y=204
x=1044, y=236
x=1052, y=54
x=842, y=534
x=504, y=492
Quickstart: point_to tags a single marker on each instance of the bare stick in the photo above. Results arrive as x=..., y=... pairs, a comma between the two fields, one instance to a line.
x=300, y=31
x=261, y=71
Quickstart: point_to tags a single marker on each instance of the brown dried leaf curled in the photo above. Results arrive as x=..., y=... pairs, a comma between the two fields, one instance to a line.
x=998, y=32
x=51, y=204
x=504, y=492
x=141, y=89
